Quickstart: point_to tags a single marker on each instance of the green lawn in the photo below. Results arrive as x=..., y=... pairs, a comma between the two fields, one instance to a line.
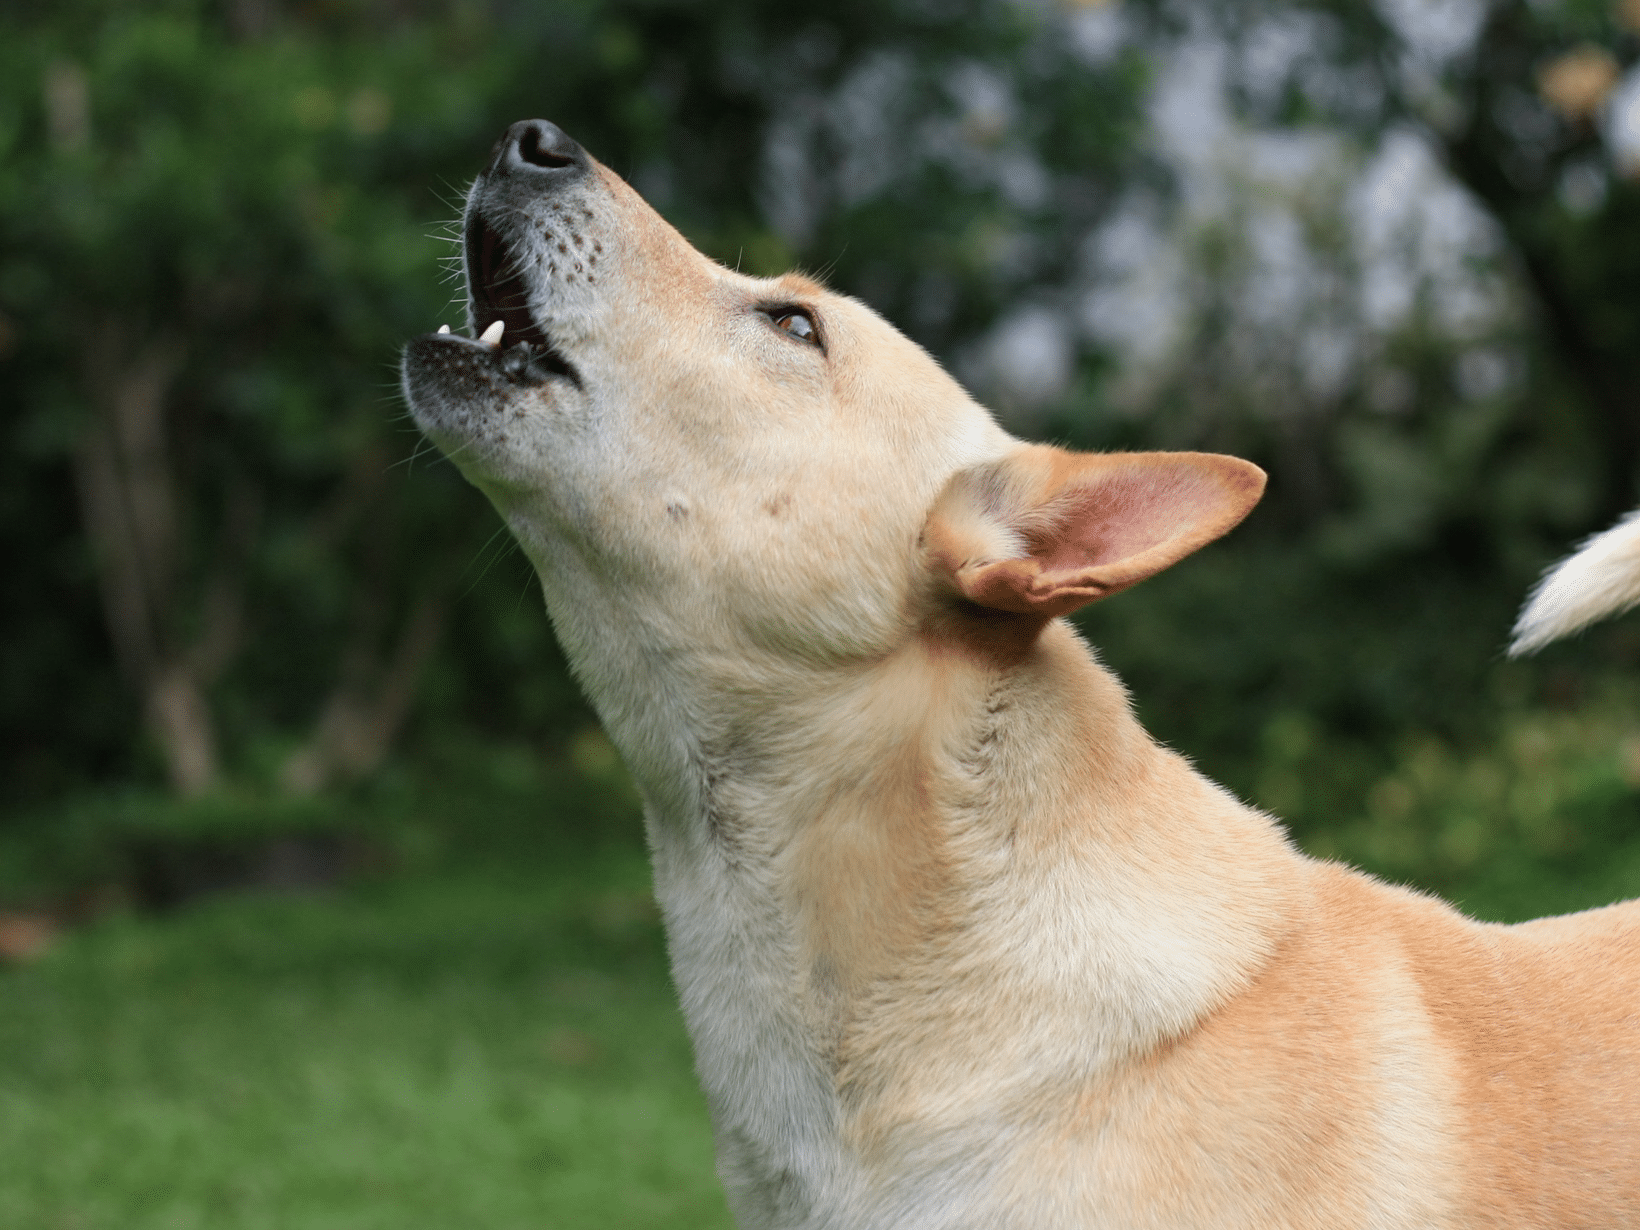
x=476, y=1049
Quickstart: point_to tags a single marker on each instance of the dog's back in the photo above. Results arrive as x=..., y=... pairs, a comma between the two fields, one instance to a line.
x=1602, y=579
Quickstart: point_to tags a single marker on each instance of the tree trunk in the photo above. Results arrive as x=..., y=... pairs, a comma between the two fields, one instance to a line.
x=1594, y=345
x=129, y=504
x=368, y=705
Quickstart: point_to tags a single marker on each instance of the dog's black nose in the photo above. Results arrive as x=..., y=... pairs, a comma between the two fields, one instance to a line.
x=537, y=149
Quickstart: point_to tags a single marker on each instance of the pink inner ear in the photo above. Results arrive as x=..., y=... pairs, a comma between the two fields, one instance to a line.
x=1126, y=513
x=1114, y=520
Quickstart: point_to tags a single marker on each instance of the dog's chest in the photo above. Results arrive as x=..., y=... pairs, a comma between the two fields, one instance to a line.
x=774, y=1107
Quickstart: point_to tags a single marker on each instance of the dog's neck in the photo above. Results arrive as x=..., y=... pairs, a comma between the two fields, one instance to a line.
x=855, y=866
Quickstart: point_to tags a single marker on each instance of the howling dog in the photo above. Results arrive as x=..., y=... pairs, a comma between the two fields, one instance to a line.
x=959, y=945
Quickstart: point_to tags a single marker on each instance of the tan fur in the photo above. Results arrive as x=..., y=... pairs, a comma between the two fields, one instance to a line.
x=958, y=943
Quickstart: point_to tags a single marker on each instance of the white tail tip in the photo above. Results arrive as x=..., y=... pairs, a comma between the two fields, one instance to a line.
x=1602, y=579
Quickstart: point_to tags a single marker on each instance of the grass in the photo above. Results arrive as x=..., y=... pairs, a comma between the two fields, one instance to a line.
x=493, y=1045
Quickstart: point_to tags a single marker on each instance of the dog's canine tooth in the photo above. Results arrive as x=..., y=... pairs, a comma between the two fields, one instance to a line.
x=492, y=335
x=444, y=328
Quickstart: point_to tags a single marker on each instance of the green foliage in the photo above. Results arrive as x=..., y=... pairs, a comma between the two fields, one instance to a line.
x=1544, y=821
x=1519, y=117
x=234, y=205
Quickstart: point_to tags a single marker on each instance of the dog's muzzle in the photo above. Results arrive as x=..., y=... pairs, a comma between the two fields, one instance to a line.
x=532, y=163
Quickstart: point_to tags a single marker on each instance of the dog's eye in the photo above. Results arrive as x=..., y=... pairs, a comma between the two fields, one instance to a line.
x=798, y=324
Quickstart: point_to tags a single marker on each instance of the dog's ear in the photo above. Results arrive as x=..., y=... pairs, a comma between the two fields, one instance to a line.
x=1044, y=531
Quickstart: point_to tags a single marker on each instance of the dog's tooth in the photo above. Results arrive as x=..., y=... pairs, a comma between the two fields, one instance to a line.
x=492, y=335
x=444, y=328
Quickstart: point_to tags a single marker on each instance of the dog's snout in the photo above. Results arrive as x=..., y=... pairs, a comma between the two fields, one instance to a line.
x=539, y=150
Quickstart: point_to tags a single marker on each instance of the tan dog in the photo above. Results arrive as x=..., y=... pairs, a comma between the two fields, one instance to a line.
x=959, y=945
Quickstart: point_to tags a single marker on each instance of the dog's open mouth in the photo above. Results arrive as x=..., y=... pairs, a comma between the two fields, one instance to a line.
x=499, y=293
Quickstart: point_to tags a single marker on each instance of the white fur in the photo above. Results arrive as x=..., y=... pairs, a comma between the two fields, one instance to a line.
x=1602, y=578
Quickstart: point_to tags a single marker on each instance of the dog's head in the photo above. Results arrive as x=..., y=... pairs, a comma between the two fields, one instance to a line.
x=756, y=462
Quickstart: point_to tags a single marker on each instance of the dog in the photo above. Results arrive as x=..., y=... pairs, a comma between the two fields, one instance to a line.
x=958, y=944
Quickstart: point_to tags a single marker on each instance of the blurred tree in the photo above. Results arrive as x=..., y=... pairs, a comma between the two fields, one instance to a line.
x=1547, y=134
x=1535, y=109
x=208, y=262
x=1392, y=260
